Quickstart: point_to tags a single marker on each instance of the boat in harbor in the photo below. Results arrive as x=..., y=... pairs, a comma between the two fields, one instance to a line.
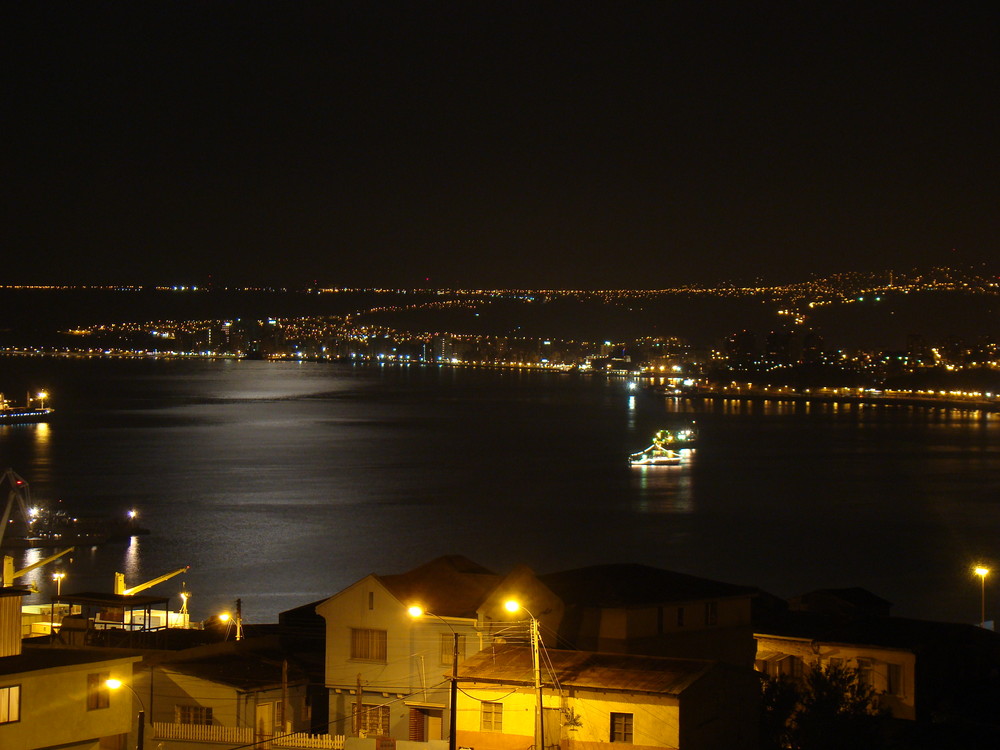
x=35, y=409
x=669, y=447
x=25, y=524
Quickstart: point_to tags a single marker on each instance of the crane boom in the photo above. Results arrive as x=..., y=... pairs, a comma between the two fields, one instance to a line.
x=9, y=574
x=120, y=581
x=18, y=491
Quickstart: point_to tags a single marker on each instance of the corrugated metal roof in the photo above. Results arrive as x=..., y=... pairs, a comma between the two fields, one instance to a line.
x=512, y=665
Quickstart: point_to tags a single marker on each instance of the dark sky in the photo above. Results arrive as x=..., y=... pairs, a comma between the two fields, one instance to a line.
x=531, y=144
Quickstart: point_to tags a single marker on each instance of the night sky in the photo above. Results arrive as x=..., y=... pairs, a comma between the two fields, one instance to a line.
x=528, y=144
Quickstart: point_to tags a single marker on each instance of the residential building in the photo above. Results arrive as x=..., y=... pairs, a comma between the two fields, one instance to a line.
x=237, y=691
x=593, y=700
x=634, y=609
x=919, y=669
x=385, y=669
x=58, y=697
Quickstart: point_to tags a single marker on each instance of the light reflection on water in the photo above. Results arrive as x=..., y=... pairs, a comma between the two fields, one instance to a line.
x=281, y=483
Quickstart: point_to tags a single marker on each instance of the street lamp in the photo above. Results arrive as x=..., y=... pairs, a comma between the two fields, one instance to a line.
x=982, y=572
x=415, y=612
x=226, y=617
x=140, y=733
x=514, y=606
x=58, y=578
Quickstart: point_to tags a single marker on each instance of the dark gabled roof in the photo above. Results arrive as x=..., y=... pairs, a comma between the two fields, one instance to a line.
x=450, y=586
x=508, y=664
x=632, y=585
x=888, y=632
x=244, y=671
x=854, y=598
x=37, y=658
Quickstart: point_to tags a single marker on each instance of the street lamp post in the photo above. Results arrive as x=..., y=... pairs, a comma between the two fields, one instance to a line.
x=58, y=578
x=513, y=606
x=140, y=739
x=982, y=573
x=453, y=715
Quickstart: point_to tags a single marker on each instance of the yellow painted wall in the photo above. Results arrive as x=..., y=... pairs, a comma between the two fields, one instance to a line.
x=412, y=671
x=54, y=707
x=655, y=719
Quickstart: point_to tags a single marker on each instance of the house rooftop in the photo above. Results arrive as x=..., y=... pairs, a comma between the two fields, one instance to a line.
x=243, y=670
x=510, y=664
x=450, y=586
x=626, y=585
x=888, y=632
x=38, y=658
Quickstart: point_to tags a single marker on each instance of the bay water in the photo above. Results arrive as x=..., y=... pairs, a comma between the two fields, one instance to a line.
x=280, y=483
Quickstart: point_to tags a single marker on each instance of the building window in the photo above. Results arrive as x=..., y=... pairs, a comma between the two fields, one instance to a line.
x=711, y=613
x=680, y=617
x=10, y=704
x=448, y=649
x=866, y=673
x=368, y=644
x=371, y=600
x=894, y=679
x=373, y=721
x=192, y=715
x=621, y=728
x=98, y=693
x=491, y=717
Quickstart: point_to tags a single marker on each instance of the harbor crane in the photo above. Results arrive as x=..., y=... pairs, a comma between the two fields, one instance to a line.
x=18, y=492
x=9, y=574
x=120, y=581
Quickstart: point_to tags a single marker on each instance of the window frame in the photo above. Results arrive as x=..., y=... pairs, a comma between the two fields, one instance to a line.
x=369, y=644
x=98, y=692
x=448, y=649
x=10, y=696
x=622, y=727
x=491, y=716
x=363, y=721
x=189, y=713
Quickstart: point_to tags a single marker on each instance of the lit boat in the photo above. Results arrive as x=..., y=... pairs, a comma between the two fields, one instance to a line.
x=35, y=411
x=668, y=447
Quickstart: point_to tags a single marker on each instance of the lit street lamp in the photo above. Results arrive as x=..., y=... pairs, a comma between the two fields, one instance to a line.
x=58, y=578
x=226, y=617
x=513, y=606
x=982, y=573
x=453, y=715
x=140, y=733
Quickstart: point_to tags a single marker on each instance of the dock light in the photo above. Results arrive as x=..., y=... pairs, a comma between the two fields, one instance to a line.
x=58, y=578
x=982, y=572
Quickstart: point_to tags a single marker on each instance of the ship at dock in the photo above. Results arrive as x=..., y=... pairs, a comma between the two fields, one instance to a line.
x=24, y=524
x=34, y=410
